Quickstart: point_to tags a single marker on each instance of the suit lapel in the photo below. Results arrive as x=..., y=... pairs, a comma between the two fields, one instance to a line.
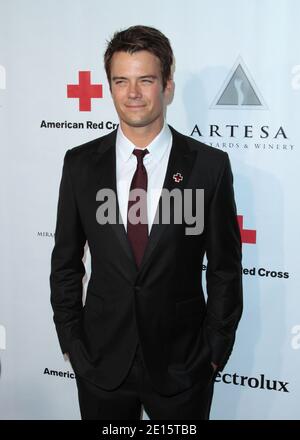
x=181, y=161
x=105, y=168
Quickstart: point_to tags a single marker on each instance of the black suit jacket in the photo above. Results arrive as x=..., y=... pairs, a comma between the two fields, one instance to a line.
x=161, y=305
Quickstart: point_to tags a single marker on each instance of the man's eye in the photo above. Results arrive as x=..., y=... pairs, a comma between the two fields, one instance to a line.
x=149, y=81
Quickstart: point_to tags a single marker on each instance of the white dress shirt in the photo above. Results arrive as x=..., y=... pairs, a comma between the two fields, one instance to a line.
x=155, y=162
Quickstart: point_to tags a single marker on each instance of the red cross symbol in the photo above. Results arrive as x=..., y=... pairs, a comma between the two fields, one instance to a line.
x=247, y=235
x=85, y=91
x=177, y=177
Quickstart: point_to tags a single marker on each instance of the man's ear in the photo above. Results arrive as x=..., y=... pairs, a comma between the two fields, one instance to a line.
x=169, y=91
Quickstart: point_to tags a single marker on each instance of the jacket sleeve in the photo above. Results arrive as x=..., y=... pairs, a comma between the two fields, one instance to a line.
x=224, y=268
x=67, y=268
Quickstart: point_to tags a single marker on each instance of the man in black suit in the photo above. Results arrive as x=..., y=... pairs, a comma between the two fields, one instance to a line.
x=146, y=335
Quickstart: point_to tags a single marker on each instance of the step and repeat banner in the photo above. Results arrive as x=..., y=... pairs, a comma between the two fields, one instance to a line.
x=237, y=89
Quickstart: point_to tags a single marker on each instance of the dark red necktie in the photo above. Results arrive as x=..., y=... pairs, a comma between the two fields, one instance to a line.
x=138, y=233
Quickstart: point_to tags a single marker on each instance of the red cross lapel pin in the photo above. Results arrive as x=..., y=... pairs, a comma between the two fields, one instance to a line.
x=178, y=177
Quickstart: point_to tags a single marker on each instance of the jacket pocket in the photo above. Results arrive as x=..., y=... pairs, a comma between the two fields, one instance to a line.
x=93, y=304
x=191, y=308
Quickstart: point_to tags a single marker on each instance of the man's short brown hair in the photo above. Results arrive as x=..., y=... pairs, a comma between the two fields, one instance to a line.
x=137, y=38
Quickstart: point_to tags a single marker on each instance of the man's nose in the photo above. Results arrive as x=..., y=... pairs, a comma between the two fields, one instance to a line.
x=134, y=90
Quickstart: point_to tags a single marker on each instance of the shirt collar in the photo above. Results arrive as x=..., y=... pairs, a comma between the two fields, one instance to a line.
x=156, y=148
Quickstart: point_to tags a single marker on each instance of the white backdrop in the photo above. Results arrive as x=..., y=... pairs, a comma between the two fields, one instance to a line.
x=237, y=88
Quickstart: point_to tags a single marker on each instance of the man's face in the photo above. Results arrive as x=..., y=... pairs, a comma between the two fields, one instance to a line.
x=137, y=91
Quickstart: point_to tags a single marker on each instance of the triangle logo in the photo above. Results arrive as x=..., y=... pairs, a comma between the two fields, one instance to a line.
x=239, y=90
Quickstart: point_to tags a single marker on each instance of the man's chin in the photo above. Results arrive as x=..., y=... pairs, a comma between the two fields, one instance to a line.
x=137, y=124
x=141, y=122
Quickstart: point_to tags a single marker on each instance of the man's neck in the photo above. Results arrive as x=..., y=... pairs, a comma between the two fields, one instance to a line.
x=141, y=136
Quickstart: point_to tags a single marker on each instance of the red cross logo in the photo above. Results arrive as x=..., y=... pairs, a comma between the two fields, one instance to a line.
x=85, y=91
x=247, y=235
x=177, y=177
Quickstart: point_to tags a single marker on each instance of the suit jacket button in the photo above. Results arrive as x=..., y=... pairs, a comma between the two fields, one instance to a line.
x=137, y=288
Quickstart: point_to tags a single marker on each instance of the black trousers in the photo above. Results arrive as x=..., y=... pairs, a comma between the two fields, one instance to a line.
x=125, y=402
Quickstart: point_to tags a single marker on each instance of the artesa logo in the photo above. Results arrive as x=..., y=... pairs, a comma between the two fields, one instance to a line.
x=239, y=90
x=247, y=235
x=85, y=91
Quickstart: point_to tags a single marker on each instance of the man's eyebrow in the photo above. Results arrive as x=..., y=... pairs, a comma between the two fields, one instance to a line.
x=114, y=78
x=118, y=77
x=148, y=76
